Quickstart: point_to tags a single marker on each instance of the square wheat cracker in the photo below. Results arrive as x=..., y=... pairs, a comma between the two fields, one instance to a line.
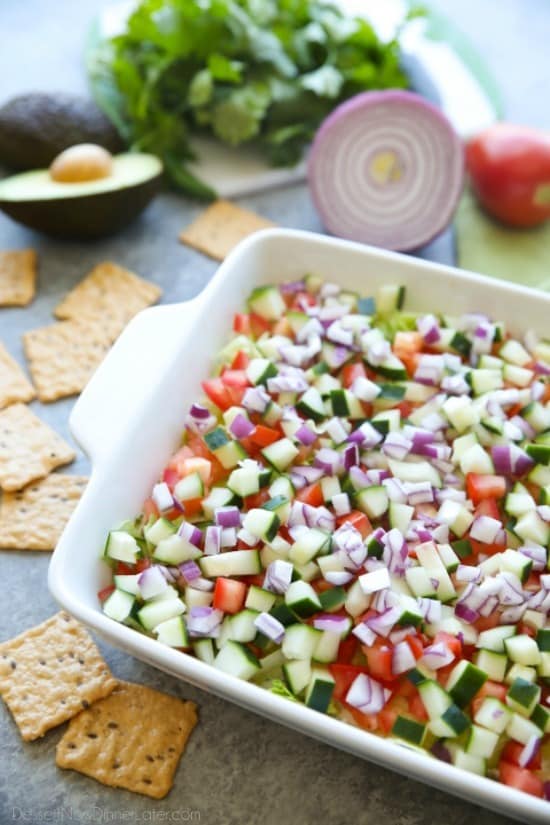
x=110, y=293
x=64, y=356
x=14, y=384
x=221, y=227
x=29, y=448
x=17, y=277
x=133, y=739
x=34, y=518
x=50, y=673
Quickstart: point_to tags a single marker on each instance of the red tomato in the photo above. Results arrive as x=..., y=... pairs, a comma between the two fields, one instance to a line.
x=229, y=595
x=312, y=494
x=241, y=323
x=379, y=660
x=352, y=371
x=490, y=688
x=218, y=393
x=171, y=476
x=358, y=520
x=256, y=500
x=264, y=436
x=104, y=594
x=512, y=752
x=124, y=569
x=347, y=649
x=480, y=487
x=235, y=378
x=364, y=720
x=417, y=709
x=487, y=507
x=141, y=565
x=258, y=325
x=520, y=778
x=240, y=361
x=149, y=509
x=509, y=168
x=451, y=642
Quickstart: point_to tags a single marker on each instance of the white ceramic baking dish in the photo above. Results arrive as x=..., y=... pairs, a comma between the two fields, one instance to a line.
x=129, y=420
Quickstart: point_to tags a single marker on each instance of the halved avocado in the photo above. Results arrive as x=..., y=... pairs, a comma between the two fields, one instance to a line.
x=86, y=209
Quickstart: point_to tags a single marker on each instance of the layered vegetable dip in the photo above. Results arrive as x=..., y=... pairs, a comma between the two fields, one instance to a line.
x=358, y=519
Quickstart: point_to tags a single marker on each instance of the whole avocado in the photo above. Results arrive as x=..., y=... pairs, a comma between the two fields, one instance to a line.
x=36, y=127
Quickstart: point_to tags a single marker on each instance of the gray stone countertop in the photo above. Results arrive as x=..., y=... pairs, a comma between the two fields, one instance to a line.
x=239, y=769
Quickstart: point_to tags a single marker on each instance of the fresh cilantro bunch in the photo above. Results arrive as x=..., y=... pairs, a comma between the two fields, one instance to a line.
x=261, y=71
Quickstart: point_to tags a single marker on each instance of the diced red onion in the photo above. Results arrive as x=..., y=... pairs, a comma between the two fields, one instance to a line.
x=441, y=752
x=466, y=613
x=229, y=537
x=418, y=492
x=485, y=529
x=341, y=504
x=338, y=577
x=396, y=446
x=455, y=385
x=358, y=478
x=430, y=609
x=151, y=582
x=256, y=399
x=435, y=422
x=199, y=412
x=366, y=694
x=365, y=390
x=278, y=576
x=337, y=357
x=366, y=436
x=402, y=659
x=270, y=627
x=248, y=538
x=227, y=516
x=330, y=461
x=308, y=473
x=512, y=615
x=543, y=511
x=212, y=540
x=350, y=456
x=529, y=751
x=319, y=517
x=466, y=573
x=287, y=383
x=329, y=621
x=305, y=435
x=384, y=622
x=437, y=655
x=428, y=327
x=312, y=327
x=191, y=533
x=190, y=570
x=338, y=335
x=291, y=287
x=537, y=390
x=365, y=635
x=429, y=370
x=241, y=427
x=394, y=489
x=204, y=621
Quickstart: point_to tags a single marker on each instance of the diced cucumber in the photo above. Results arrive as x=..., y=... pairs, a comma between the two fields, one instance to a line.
x=173, y=632
x=414, y=471
x=119, y=605
x=356, y=601
x=400, y=516
x=515, y=353
x=230, y=454
x=245, y=481
x=493, y=664
x=242, y=627
x=531, y=526
x=476, y=460
x=464, y=682
x=189, y=487
x=155, y=612
x=326, y=649
x=521, y=729
x=456, y=516
x=300, y=641
x=493, y=715
x=237, y=660
x=280, y=454
x=259, y=370
x=410, y=730
x=218, y=497
x=541, y=718
x=469, y=762
x=435, y=700
x=261, y=523
x=523, y=696
x=231, y=563
x=267, y=302
x=332, y=599
x=523, y=650
x=174, y=550
x=529, y=674
x=389, y=298
x=204, y=650
x=430, y=560
x=259, y=599
x=481, y=742
x=543, y=639
x=128, y=583
x=494, y=638
x=302, y=599
x=198, y=598
x=320, y=689
x=461, y=413
x=373, y=501
x=121, y=546
x=309, y=543
x=312, y=405
x=420, y=582
x=297, y=674
x=452, y=722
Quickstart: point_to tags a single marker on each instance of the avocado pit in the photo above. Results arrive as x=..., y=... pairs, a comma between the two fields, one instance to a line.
x=83, y=162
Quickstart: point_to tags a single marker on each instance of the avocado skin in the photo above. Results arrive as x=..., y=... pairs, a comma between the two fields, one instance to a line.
x=87, y=216
x=36, y=127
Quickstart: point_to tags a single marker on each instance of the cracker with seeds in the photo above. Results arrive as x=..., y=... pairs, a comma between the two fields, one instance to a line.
x=14, y=385
x=221, y=227
x=29, y=448
x=109, y=293
x=63, y=356
x=133, y=739
x=17, y=277
x=50, y=673
x=34, y=518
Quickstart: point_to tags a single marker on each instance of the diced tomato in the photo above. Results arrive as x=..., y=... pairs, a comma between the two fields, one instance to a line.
x=347, y=649
x=386, y=719
x=358, y=520
x=490, y=688
x=404, y=687
x=241, y=323
x=453, y=643
x=193, y=507
x=229, y=595
x=416, y=707
x=352, y=371
x=379, y=660
x=407, y=342
x=312, y=494
x=149, y=509
x=302, y=299
x=122, y=569
x=487, y=549
x=171, y=477
x=218, y=393
x=367, y=721
x=258, y=325
x=240, y=361
x=487, y=622
x=520, y=778
x=141, y=565
x=415, y=644
x=344, y=675
x=235, y=378
x=264, y=436
x=257, y=579
x=252, y=502
x=104, y=594
x=488, y=507
x=282, y=327
x=405, y=408
x=512, y=753
x=480, y=487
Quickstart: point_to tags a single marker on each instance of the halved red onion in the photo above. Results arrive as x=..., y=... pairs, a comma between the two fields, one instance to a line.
x=386, y=168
